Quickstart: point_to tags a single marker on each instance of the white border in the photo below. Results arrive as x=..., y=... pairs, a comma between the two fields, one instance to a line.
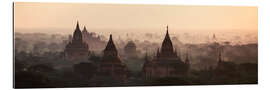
x=167, y=2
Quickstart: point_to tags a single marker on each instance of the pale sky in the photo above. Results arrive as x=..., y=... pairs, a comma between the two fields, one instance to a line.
x=62, y=17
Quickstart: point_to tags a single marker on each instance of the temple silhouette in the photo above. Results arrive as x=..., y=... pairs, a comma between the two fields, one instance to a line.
x=130, y=49
x=90, y=37
x=76, y=49
x=166, y=63
x=111, y=65
x=125, y=65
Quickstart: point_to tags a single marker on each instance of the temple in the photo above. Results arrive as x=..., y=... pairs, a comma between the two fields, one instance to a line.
x=93, y=40
x=130, y=50
x=76, y=49
x=166, y=63
x=111, y=66
x=187, y=61
x=220, y=63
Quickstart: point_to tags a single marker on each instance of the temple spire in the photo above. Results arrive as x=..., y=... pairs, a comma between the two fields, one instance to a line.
x=77, y=35
x=167, y=33
x=219, y=55
x=84, y=28
x=167, y=29
x=77, y=26
x=158, y=52
x=167, y=43
x=110, y=45
x=214, y=38
x=110, y=37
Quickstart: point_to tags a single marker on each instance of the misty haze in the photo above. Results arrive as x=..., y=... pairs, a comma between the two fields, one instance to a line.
x=99, y=45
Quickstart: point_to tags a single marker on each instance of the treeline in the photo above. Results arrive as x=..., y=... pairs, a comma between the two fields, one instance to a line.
x=51, y=70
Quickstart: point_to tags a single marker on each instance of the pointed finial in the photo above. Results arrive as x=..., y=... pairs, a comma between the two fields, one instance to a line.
x=167, y=28
x=167, y=32
x=110, y=36
x=214, y=37
x=77, y=27
x=84, y=29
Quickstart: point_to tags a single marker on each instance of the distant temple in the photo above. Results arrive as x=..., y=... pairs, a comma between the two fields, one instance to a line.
x=130, y=49
x=221, y=64
x=187, y=61
x=76, y=49
x=166, y=63
x=111, y=65
x=220, y=61
x=93, y=40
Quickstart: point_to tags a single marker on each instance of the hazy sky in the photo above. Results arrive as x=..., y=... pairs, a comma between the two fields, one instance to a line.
x=62, y=17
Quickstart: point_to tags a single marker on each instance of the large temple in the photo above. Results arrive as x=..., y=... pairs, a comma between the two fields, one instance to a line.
x=166, y=63
x=111, y=65
x=76, y=49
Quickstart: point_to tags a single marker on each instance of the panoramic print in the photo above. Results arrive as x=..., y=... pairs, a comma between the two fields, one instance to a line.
x=59, y=45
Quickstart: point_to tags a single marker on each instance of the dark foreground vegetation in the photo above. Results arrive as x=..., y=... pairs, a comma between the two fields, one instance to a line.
x=50, y=70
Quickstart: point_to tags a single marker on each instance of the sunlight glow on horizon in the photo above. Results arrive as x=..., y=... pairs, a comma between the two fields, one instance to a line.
x=47, y=17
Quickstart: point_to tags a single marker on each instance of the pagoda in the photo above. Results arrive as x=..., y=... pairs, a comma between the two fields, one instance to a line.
x=166, y=62
x=76, y=49
x=111, y=66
